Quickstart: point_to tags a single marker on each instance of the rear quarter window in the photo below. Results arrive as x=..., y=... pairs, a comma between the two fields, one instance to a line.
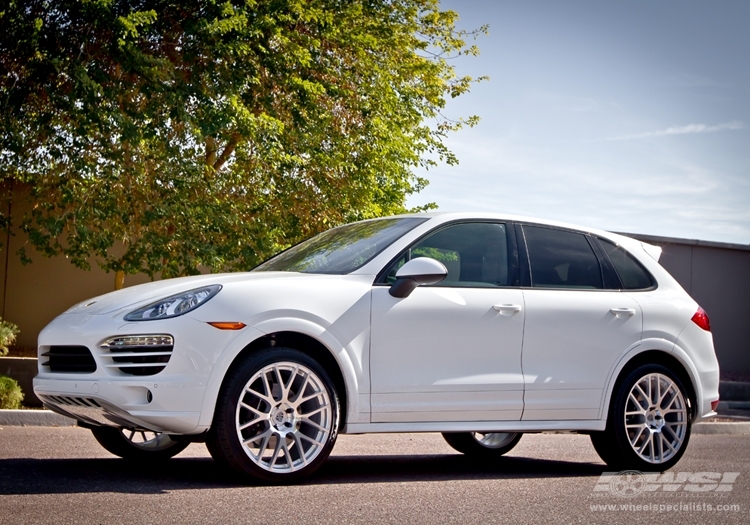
x=632, y=275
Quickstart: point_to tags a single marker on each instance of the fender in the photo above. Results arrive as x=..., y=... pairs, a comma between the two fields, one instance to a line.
x=251, y=334
x=679, y=353
x=644, y=345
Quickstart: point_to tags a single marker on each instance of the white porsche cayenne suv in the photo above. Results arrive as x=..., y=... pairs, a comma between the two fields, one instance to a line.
x=479, y=326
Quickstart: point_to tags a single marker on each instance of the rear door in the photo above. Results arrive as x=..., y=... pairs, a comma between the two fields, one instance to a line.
x=577, y=325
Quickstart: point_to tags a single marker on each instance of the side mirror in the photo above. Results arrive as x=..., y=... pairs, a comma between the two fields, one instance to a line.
x=419, y=271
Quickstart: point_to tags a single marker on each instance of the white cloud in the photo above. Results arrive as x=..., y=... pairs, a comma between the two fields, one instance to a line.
x=662, y=192
x=683, y=130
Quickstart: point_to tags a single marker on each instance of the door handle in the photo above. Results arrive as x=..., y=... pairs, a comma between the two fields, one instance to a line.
x=623, y=312
x=507, y=309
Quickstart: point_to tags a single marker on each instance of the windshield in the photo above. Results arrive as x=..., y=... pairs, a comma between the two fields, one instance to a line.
x=341, y=250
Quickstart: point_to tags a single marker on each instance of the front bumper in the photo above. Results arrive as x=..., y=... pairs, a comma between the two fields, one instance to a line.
x=124, y=404
x=168, y=401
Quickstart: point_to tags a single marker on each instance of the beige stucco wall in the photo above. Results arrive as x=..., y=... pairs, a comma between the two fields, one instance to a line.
x=32, y=295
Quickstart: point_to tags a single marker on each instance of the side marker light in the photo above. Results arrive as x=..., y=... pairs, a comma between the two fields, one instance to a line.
x=224, y=325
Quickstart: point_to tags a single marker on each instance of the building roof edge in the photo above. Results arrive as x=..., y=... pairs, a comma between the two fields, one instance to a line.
x=686, y=242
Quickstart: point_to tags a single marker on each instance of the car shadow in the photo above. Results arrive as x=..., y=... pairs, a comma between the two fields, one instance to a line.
x=69, y=476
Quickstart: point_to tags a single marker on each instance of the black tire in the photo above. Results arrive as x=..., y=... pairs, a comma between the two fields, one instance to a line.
x=488, y=445
x=650, y=429
x=137, y=445
x=285, y=440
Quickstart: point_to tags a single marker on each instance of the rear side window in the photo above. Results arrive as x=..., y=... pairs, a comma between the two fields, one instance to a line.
x=561, y=259
x=632, y=275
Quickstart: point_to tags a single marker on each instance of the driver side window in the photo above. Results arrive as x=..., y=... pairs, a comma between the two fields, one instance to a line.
x=475, y=255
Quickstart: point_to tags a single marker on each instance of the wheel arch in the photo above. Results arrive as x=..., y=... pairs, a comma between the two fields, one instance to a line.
x=307, y=345
x=312, y=342
x=675, y=361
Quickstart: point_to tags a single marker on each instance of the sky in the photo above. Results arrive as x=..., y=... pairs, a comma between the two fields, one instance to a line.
x=626, y=116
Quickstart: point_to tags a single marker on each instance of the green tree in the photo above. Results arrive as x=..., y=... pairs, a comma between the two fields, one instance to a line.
x=160, y=136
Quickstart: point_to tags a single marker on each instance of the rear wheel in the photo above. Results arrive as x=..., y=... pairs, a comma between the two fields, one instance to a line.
x=648, y=427
x=138, y=444
x=483, y=444
x=276, y=418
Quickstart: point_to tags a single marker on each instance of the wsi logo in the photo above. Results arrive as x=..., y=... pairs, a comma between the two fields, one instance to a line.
x=629, y=483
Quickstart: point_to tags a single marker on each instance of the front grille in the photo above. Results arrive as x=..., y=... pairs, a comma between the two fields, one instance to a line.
x=139, y=355
x=70, y=359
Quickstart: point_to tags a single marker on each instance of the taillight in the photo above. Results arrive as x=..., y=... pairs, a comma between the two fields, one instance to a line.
x=701, y=319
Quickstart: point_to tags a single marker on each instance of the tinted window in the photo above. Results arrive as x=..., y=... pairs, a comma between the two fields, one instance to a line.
x=631, y=273
x=475, y=254
x=340, y=250
x=561, y=259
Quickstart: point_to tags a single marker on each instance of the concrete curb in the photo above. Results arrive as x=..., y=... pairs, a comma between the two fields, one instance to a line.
x=47, y=418
x=34, y=418
x=738, y=428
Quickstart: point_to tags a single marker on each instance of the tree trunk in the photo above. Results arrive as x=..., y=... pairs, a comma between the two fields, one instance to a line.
x=119, y=280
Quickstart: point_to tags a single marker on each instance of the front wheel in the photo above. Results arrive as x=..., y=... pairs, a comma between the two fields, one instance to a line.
x=142, y=445
x=483, y=444
x=276, y=418
x=648, y=426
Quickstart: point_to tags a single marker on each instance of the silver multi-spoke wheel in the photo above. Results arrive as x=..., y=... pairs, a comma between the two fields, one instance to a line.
x=648, y=425
x=656, y=418
x=138, y=444
x=482, y=444
x=284, y=417
x=494, y=440
x=277, y=416
x=147, y=440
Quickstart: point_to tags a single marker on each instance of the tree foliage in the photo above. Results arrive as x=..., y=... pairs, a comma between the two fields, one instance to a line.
x=160, y=136
x=8, y=333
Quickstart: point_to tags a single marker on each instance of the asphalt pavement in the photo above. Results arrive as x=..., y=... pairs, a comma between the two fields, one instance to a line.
x=736, y=423
x=61, y=475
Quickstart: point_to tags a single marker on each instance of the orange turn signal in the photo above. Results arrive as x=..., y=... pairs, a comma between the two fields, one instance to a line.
x=221, y=325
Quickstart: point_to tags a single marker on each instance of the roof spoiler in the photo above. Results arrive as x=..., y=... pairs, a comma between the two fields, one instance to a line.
x=652, y=250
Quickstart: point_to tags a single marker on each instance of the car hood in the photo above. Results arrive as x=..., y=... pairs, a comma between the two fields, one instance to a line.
x=154, y=291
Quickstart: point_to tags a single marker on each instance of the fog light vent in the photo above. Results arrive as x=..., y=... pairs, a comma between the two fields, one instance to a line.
x=139, y=355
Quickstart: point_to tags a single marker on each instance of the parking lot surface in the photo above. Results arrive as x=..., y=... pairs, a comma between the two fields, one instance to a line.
x=61, y=475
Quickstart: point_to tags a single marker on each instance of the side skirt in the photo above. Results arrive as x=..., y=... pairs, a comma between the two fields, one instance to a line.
x=476, y=426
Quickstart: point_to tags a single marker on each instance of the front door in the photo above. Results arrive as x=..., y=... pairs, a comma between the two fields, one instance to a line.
x=452, y=351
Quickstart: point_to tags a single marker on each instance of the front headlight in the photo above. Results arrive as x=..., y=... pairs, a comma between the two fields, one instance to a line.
x=174, y=305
